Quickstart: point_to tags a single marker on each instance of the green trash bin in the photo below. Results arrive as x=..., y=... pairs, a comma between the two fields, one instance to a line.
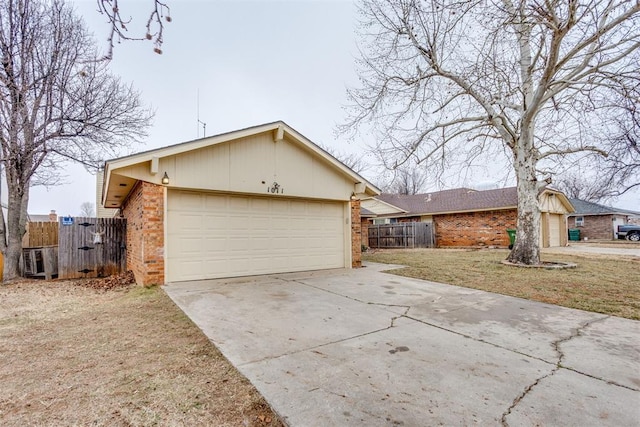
x=512, y=237
x=574, y=234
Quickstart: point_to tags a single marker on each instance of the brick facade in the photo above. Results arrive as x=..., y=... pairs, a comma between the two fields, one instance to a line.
x=364, y=231
x=595, y=226
x=144, y=210
x=356, y=235
x=474, y=229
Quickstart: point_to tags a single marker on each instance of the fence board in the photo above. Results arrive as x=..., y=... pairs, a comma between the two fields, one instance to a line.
x=40, y=262
x=40, y=234
x=79, y=256
x=401, y=235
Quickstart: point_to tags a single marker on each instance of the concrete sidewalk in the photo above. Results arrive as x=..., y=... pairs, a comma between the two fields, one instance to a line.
x=361, y=347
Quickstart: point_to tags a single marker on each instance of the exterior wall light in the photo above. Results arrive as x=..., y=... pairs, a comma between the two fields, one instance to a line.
x=165, y=179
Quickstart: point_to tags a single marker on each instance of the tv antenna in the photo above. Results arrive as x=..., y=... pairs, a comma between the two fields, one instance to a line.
x=200, y=122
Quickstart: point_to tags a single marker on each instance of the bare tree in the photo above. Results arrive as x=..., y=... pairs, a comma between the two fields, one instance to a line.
x=353, y=161
x=522, y=80
x=87, y=209
x=57, y=104
x=603, y=179
x=408, y=179
x=119, y=23
x=621, y=168
x=585, y=187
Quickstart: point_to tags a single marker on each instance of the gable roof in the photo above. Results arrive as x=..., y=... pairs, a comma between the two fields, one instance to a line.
x=584, y=207
x=366, y=213
x=120, y=190
x=460, y=200
x=376, y=206
x=455, y=200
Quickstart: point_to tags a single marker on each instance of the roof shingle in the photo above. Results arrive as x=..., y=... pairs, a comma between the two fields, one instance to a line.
x=456, y=200
x=584, y=207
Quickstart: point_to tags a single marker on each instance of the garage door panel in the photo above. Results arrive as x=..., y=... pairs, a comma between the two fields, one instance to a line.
x=191, y=221
x=189, y=204
x=213, y=236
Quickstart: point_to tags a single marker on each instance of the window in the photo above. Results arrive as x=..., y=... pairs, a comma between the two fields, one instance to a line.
x=579, y=221
x=379, y=221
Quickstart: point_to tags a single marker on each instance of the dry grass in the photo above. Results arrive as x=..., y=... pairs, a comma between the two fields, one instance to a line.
x=129, y=357
x=601, y=284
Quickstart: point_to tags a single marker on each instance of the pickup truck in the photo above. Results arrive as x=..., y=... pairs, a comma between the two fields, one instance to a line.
x=629, y=232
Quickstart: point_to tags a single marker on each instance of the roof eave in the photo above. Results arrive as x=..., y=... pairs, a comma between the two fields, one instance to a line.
x=408, y=214
x=280, y=127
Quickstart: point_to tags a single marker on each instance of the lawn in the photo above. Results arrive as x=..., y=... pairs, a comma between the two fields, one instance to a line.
x=601, y=284
x=73, y=355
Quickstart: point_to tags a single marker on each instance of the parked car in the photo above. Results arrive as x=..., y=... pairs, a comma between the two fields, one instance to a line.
x=629, y=232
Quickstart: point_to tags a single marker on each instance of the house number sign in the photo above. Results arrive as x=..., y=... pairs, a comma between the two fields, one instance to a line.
x=275, y=189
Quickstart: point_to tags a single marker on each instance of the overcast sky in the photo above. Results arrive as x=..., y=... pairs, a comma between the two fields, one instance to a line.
x=250, y=62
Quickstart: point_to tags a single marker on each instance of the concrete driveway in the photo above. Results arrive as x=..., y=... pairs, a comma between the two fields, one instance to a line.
x=627, y=251
x=362, y=347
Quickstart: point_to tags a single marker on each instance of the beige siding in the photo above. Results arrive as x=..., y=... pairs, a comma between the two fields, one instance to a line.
x=551, y=203
x=249, y=165
x=215, y=235
x=101, y=211
x=379, y=207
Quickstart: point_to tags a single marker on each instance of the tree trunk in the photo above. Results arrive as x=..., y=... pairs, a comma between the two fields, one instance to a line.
x=16, y=227
x=526, y=249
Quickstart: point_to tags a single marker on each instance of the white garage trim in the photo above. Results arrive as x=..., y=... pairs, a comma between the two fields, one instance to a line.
x=214, y=235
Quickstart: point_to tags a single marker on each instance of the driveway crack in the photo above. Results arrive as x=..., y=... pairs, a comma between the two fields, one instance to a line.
x=393, y=319
x=302, y=350
x=557, y=347
x=575, y=333
x=391, y=324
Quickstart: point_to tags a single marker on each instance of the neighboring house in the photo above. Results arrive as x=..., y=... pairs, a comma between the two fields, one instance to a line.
x=596, y=221
x=366, y=216
x=464, y=217
x=370, y=215
x=259, y=200
x=51, y=217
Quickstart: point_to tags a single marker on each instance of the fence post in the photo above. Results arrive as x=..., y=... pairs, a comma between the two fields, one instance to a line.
x=413, y=229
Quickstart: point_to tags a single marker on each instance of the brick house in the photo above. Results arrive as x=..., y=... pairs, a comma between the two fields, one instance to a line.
x=259, y=200
x=596, y=221
x=50, y=217
x=464, y=217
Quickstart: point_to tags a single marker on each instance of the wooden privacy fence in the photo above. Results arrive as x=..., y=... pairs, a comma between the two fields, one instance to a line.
x=91, y=247
x=401, y=235
x=40, y=234
x=40, y=250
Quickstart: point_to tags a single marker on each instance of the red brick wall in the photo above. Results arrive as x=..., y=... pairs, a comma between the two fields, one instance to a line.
x=364, y=231
x=356, y=236
x=144, y=210
x=595, y=226
x=474, y=228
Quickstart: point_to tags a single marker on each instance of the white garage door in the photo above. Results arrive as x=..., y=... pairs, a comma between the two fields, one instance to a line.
x=213, y=236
